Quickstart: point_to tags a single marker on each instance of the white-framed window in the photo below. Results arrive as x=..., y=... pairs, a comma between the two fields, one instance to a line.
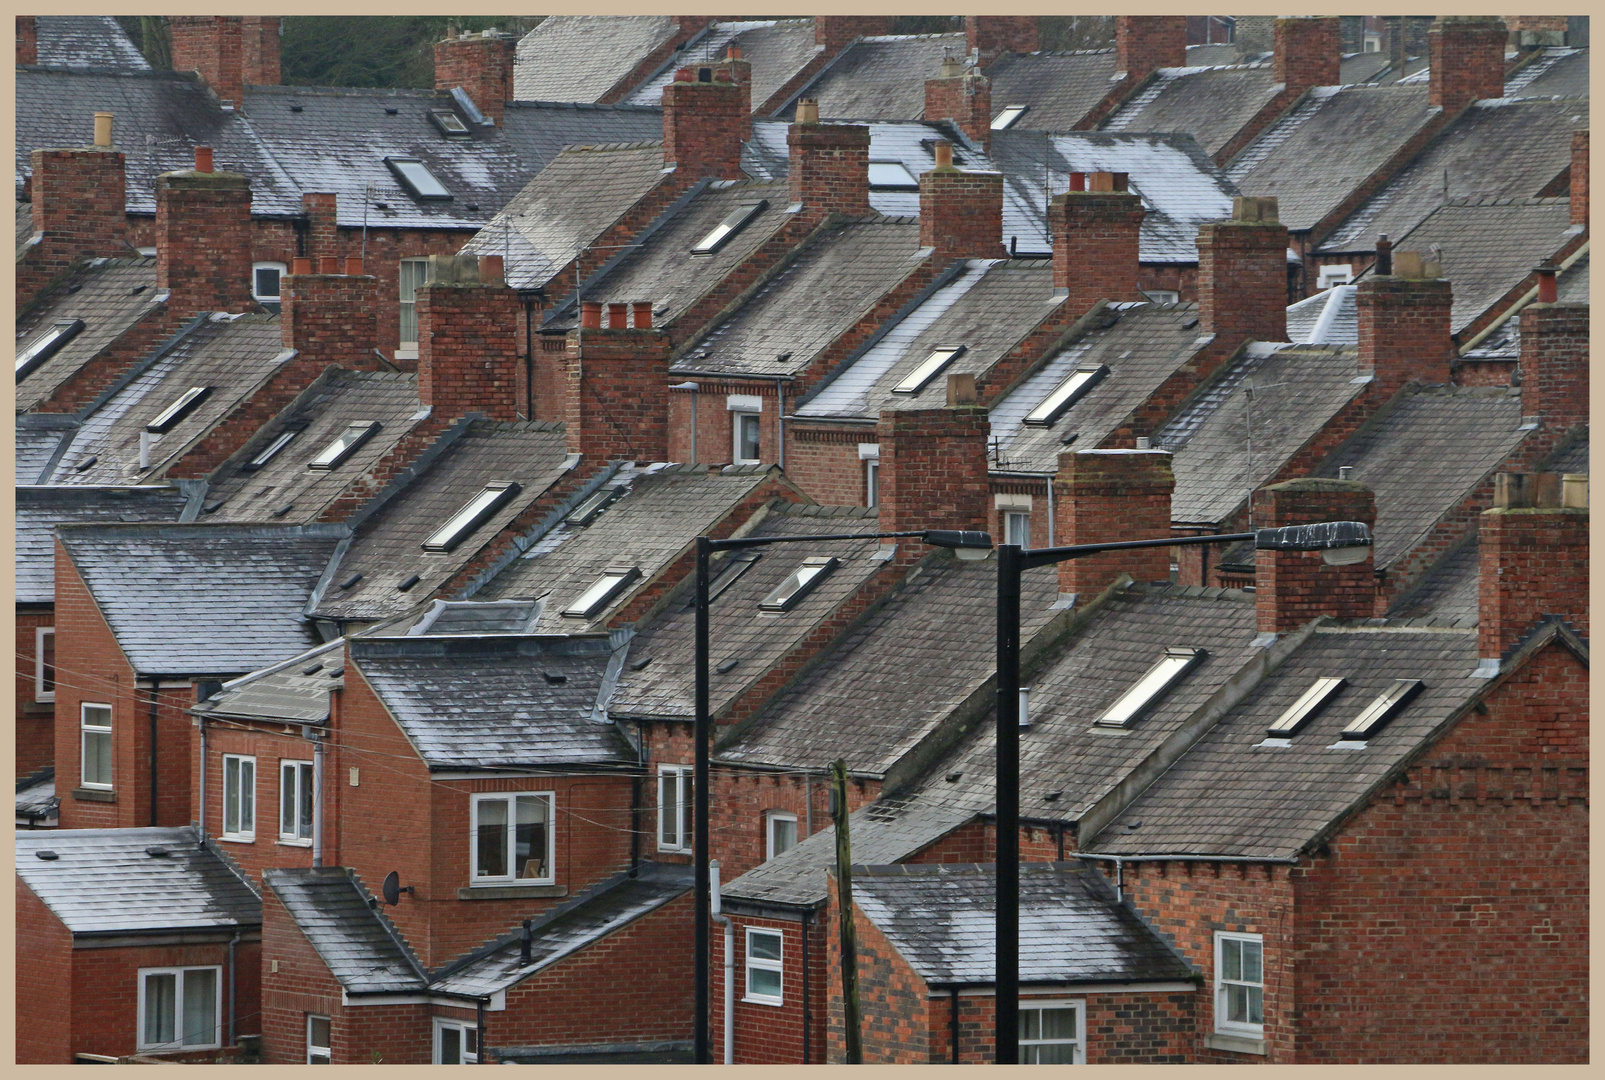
x=295, y=802
x=179, y=1008
x=674, y=808
x=44, y=663
x=513, y=838
x=1240, y=984
x=1340, y=274
x=95, y=765
x=870, y=455
x=456, y=1043
x=780, y=833
x=1017, y=528
x=239, y=797
x=318, y=1041
x=765, y=949
x=411, y=276
x=744, y=431
x=265, y=280
x=1162, y=296
x=1053, y=1033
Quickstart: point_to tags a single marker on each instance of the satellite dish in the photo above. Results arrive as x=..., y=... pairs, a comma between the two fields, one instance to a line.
x=392, y=888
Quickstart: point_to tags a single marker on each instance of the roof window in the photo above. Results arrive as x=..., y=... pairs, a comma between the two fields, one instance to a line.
x=417, y=179
x=271, y=450
x=471, y=516
x=449, y=123
x=602, y=591
x=45, y=346
x=1005, y=119
x=1153, y=686
x=799, y=583
x=1389, y=703
x=733, y=223
x=1309, y=703
x=169, y=417
x=738, y=563
x=932, y=366
x=588, y=510
x=1065, y=395
x=891, y=176
x=344, y=445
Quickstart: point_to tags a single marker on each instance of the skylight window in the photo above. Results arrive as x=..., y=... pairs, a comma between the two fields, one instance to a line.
x=1309, y=703
x=733, y=223
x=737, y=564
x=891, y=176
x=929, y=369
x=271, y=451
x=1389, y=703
x=601, y=592
x=47, y=344
x=449, y=123
x=169, y=417
x=600, y=500
x=1153, y=686
x=1065, y=395
x=1005, y=119
x=799, y=583
x=417, y=179
x=344, y=445
x=471, y=516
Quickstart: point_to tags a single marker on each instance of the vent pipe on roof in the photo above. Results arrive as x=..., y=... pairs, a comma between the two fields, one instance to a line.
x=1547, y=293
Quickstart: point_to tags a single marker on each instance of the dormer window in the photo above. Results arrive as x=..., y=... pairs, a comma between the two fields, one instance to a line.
x=733, y=223
x=789, y=593
x=891, y=176
x=471, y=516
x=417, y=179
x=170, y=417
x=1005, y=119
x=1151, y=688
x=929, y=369
x=344, y=445
x=47, y=344
x=602, y=592
x=1065, y=395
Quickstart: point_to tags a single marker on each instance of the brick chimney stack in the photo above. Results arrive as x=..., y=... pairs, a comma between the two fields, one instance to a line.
x=330, y=318
x=733, y=68
x=1094, y=228
x=617, y=393
x=961, y=213
x=1554, y=364
x=1533, y=551
x=964, y=97
x=203, y=239
x=1144, y=43
x=27, y=40
x=1242, y=274
x=933, y=465
x=467, y=348
x=1404, y=324
x=1293, y=587
x=829, y=164
x=1308, y=51
x=1104, y=495
x=990, y=37
x=482, y=64
x=78, y=198
x=259, y=52
x=704, y=116
x=1579, y=177
x=229, y=52
x=1467, y=57
x=836, y=32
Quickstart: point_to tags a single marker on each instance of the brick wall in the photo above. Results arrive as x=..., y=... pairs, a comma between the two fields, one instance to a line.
x=823, y=461
x=835, y=32
x=467, y=353
x=35, y=734
x=1103, y=495
x=1533, y=563
x=702, y=126
x=1242, y=274
x=990, y=36
x=270, y=749
x=964, y=99
x=1467, y=58
x=1146, y=42
x=259, y=50
x=211, y=45
x=331, y=318
x=1095, y=246
x=772, y=1034
x=1579, y=178
x=203, y=241
x=618, y=394
x=961, y=213
x=1308, y=52
x=1404, y=330
x=830, y=168
x=933, y=468
x=1293, y=587
x=482, y=66
x=715, y=422
x=27, y=40
x=1554, y=363
x=43, y=981
x=78, y=205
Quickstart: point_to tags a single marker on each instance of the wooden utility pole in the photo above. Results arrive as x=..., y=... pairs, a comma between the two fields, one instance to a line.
x=844, y=897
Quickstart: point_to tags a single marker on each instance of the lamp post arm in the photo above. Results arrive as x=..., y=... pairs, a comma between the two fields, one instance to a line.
x=1032, y=558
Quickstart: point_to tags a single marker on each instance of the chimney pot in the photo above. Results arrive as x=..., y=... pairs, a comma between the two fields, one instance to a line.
x=643, y=314
x=808, y=111
x=734, y=52
x=328, y=264
x=1144, y=443
x=591, y=314
x=1345, y=472
x=1547, y=293
x=961, y=390
x=300, y=265
x=685, y=75
x=1121, y=180
x=1078, y=181
x=203, y=159
x=1384, y=264
x=103, y=128
x=1574, y=491
x=944, y=154
x=353, y=265
x=491, y=269
x=618, y=316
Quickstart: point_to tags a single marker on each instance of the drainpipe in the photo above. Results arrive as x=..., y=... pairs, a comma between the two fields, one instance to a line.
x=201, y=828
x=1050, y=510
x=803, y=922
x=780, y=423
x=481, y=1057
x=154, y=684
x=232, y=979
x=529, y=354
x=953, y=1024
x=317, y=799
x=729, y=966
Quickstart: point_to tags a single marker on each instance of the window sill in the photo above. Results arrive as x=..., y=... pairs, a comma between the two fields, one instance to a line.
x=42, y=707
x=509, y=892
x=407, y=354
x=94, y=795
x=236, y=839
x=773, y=1002
x=1237, y=1044
x=282, y=842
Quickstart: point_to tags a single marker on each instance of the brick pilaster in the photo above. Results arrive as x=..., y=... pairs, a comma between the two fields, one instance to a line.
x=1467, y=58
x=703, y=124
x=1146, y=42
x=830, y=168
x=1308, y=51
x=618, y=394
x=1533, y=563
x=467, y=343
x=1404, y=330
x=331, y=318
x=990, y=37
x=961, y=214
x=482, y=64
x=1554, y=364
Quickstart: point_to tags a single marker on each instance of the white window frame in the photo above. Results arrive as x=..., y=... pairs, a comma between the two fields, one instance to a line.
x=84, y=730
x=1079, y=1005
x=244, y=835
x=1334, y=274
x=772, y=818
x=679, y=776
x=178, y=1007
x=408, y=347
x=316, y=1050
x=300, y=772
x=39, y=691
x=462, y=1027
x=1162, y=296
x=738, y=420
x=872, y=482
x=511, y=799
x=757, y=963
x=268, y=265
x=1222, y=1025
x=1015, y=522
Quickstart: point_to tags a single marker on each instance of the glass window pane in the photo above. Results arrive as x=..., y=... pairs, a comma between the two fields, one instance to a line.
x=451, y=1046
x=1253, y=966
x=1237, y=1004
x=668, y=824
x=1231, y=952
x=318, y=1031
x=200, y=1007
x=161, y=997
x=471, y=1040
x=1058, y=1023
x=97, y=757
x=492, y=835
x=1256, y=1005
x=529, y=845
x=267, y=282
x=231, y=795
x=783, y=835
x=763, y=946
x=1030, y=1023
x=287, y=800
x=1054, y=1054
x=247, y=796
x=761, y=982
x=47, y=654
x=306, y=791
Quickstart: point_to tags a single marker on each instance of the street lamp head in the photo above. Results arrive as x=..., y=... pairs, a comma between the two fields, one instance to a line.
x=1341, y=543
x=971, y=545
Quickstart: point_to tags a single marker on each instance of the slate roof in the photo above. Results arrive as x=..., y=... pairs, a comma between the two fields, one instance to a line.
x=1504, y=342
x=386, y=549
x=1209, y=103
x=1224, y=796
x=1180, y=186
x=1283, y=399
x=988, y=308
x=602, y=910
x=352, y=935
x=295, y=690
x=819, y=295
x=942, y=920
x=109, y=295
x=1571, y=458
x=1141, y=344
x=319, y=414
x=657, y=682
x=39, y=436
x=106, y=881
x=1330, y=317
x=1448, y=591
x=650, y=527
x=776, y=49
x=203, y=599
x=233, y=356
x=880, y=78
x=1316, y=156
x=40, y=509
x=539, y=130
x=1060, y=87
x=91, y=41
x=1504, y=148
x=582, y=57
x=1560, y=72
x=888, y=683
x=36, y=794
x=475, y=617
x=566, y=207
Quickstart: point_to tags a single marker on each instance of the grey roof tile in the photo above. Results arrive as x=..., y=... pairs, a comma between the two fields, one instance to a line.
x=36, y=794
x=352, y=936
x=1449, y=590
x=24, y=225
x=40, y=509
x=109, y=296
x=1504, y=343
x=776, y=49
x=1059, y=87
x=39, y=436
x=582, y=57
x=106, y=881
x=1570, y=458
x=882, y=78
x=295, y=690
x=539, y=130
x=1559, y=72
x=92, y=41
x=1209, y=103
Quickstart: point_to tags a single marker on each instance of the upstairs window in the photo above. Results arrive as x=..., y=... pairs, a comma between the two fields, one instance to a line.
x=891, y=176
x=296, y=794
x=44, y=663
x=1066, y=394
x=473, y=514
x=733, y=223
x=1006, y=119
x=1151, y=688
x=1240, y=984
x=179, y=1008
x=1053, y=1033
x=1339, y=274
x=239, y=797
x=412, y=274
x=512, y=839
x=765, y=967
x=799, y=583
x=170, y=417
x=674, y=808
x=928, y=369
x=265, y=283
x=95, y=764
x=46, y=345
x=456, y=1044
x=345, y=444
x=417, y=179
x=318, y=1041
x=781, y=833
x=1017, y=528
x=744, y=430
x=595, y=599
